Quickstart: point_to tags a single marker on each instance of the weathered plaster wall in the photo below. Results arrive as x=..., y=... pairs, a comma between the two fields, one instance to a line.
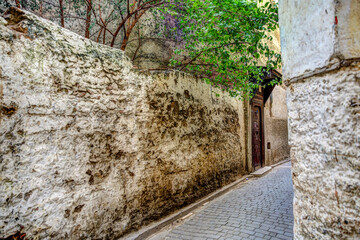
x=313, y=37
x=320, y=50
x=276, y=127
x=91, y=149
x=348, y=34
x=319, y=39
x=324, y=114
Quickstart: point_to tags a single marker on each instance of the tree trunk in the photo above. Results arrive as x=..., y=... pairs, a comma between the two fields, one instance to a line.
x=88, y=19
x=41, y=9
x=130, y=28
x=18, y=3
x=62, y=13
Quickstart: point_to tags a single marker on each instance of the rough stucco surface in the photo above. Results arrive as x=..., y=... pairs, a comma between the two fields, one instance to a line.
x=276, y=127
x=91, y=149
x=324, y=114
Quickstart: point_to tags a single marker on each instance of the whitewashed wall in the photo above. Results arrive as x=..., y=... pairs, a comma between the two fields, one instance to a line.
x=321, y=59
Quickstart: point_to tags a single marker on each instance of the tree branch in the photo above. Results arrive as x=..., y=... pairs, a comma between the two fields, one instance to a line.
x=62, y=20
x=140, y=8
x=18, y=3
x=88, y=19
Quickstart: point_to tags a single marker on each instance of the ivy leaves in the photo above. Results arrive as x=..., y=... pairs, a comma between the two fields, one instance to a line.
x=224, y=42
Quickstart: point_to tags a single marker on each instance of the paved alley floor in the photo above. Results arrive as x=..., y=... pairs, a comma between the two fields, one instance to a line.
x=260, y=209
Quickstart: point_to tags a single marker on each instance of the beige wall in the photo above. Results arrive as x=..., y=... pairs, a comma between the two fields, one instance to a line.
x=320, y=50
x=276, y=127
x=324, y=139
x=90, y=148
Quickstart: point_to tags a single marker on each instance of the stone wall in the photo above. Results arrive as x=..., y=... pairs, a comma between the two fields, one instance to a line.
x=324, y=135
x=320, y=49
x=90, y=148
x=276, y=127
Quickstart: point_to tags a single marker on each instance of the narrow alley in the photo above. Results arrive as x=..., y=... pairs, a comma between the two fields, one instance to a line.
x=179, y=119
x=260, y=209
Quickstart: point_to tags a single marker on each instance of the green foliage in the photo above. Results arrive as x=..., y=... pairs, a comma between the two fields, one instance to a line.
x=224, y=40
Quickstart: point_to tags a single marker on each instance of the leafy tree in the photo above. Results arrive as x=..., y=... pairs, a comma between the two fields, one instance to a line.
x=225, y=40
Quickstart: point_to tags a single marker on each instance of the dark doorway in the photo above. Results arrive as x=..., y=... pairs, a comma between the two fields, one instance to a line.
x=257, y=129
x=257, y=104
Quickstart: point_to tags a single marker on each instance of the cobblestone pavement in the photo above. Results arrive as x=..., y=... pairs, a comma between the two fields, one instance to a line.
x=260, y=209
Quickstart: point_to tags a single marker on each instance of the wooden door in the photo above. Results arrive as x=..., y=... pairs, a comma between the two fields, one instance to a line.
x=257, y=129
x=256, y=137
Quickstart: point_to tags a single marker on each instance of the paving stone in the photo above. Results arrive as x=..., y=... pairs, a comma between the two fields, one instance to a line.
x=237, y=238
x=261, y=209
x=272, y=234
x=276, y=231
x=259, y=235
x=283, y=237
x=247, y=231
